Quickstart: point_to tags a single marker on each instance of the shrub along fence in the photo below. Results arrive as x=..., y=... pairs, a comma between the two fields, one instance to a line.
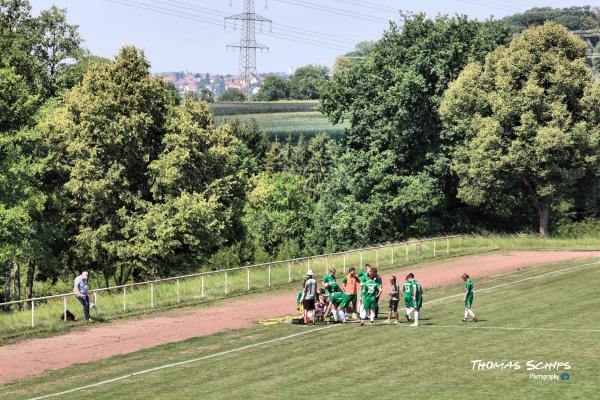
x=117, y=301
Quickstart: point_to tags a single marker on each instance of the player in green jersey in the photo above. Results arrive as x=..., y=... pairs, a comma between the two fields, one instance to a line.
x=417, y=298
x=468, y=298
x=370, y=295
x=407, y=290
x=330, y=277
x=332, y=287
x=337, y=303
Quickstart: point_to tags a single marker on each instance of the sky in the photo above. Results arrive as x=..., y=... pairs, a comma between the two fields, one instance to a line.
x=303, y=31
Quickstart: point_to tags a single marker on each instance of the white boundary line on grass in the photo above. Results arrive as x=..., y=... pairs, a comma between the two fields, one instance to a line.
x=514, y=282
x=509, y=328
x=146, y=371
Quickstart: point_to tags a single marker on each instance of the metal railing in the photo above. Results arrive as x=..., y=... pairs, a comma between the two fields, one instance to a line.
x=291, y=264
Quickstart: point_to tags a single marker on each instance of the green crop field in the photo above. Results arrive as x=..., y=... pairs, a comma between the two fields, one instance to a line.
x=543, y=317
x=267, y=107
x=292, y=124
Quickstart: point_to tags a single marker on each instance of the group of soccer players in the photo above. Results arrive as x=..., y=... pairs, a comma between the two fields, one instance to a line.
x=361, y=292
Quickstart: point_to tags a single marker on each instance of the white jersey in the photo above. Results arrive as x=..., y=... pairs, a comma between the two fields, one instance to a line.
x=310, y=289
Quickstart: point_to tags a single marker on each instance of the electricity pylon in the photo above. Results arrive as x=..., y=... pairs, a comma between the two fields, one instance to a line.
x=248, y=44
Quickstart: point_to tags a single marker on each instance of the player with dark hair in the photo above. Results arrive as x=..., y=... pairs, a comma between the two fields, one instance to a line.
x=468, y=298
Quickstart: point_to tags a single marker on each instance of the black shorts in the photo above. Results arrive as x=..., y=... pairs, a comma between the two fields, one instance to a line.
x=394, y=304
x=308, y=305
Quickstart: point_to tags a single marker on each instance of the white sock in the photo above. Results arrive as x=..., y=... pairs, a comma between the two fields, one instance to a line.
x=372, y=316
x=466, y=313
x=409, y=311
x=416, y=317
x=471, y=313
x=342, y=316
x=363, y=313
x=334, y=314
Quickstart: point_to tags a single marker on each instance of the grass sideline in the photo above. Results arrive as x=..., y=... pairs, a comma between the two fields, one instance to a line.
x=536, y=318
x=17, y=324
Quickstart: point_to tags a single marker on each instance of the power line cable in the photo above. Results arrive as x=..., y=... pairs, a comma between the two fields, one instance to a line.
x=336, y=11
x=369, y=5
x=209, y=21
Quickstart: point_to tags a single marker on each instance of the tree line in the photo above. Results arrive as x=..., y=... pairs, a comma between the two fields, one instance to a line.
x=455, y=126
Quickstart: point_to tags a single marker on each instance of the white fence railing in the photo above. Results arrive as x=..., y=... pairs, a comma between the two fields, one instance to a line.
x=245, y=278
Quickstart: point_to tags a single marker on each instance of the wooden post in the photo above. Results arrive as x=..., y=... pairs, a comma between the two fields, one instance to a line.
x=95, y=299
x=202, y=286
x=344, y=263
x=289, y=271
x=225, y=282
x=32, y=313
x=269, y=275
x=447, y=246
x=65, y=308
x=405, y=251
x=377, y=257
x=125, y=299
x=434, y=248
x=461, y=245
x=361, y=259
x=248, y=277
x=152, y=295
x=177, y=285
x=326, y=265
x=392, y=256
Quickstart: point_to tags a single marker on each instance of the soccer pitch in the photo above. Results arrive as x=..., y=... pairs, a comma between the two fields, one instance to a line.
x=539, y=316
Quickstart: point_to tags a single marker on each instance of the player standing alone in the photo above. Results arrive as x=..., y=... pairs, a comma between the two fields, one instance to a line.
x=469, y=290
x=309, y=297
x=417, y=298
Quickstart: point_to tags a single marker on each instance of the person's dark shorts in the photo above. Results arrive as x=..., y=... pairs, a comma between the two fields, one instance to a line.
x=394, y=304
x=308, y=305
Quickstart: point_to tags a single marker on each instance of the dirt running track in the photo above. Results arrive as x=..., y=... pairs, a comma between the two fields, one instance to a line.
x=38, y=356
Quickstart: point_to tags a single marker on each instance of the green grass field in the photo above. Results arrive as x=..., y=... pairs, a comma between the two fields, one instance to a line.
x=265, y=107
x=292, y=125
x=546, y=314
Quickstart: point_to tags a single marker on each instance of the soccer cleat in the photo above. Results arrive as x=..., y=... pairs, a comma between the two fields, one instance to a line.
x=372, y=323
x=465, y=320
x=407, y=318
x=474, y=319
x=396, y=322
x=387, y=321
x=415, y=324
x=362, y=322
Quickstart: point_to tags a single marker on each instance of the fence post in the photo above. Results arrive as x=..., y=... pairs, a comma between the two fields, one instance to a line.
x=392, y=256
x=65, y=308
x=361, y=259
x=326, y=265
x=32, y=313
x=152, y=295
x=225, y=282
x=289, y=271
x=177, y=289
x=202, y=285
x=433, y=248
x=447, y=246
x=405, y=251
x=124, y=299
x=461, y=245
x=308, y=264
x=377, y=257
x=420, y=249
x=248, y=277
x=95, y=299
x=344, y=263
x=269, y=275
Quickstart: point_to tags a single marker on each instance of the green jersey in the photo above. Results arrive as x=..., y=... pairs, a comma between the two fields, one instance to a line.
x=328, y=279
x=469, y=287
x=371, y=289
x=333, y=288
x=407, y=289
x=418, y=290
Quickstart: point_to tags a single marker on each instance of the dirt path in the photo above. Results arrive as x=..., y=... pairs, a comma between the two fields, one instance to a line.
x=38, y=356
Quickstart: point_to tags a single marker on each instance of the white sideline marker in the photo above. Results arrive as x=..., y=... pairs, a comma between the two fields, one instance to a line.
x=515, y=328
x=146, y=371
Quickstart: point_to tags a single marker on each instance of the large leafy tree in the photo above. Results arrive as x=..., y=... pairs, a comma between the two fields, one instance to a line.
x=274, y=88
x=527, y=121
x=307, y=81
x=278, y=211
x=394, y=179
